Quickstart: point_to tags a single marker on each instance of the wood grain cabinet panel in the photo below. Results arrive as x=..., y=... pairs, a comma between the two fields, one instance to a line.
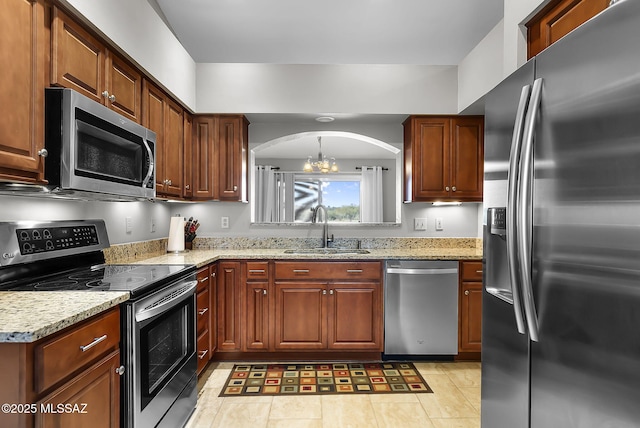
x=558, y=19
x=203, y=141
x=80, y=61
x=470, y=308
x=229, y=306
x=24, y=38
x=300, y=316
x=443, y=158
x=232, y=150
x=355, y=320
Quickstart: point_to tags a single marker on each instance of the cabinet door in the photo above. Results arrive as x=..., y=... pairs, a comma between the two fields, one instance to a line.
x=24, y=77
x=77, y=58
x=232, y=158
x=229, y=306
x=431, y=154
x=124, y=85
x=153, y=112
x=257, y=316
x=173, y=149
x=355, y=316
x=467, y=158
x=204, y=177
x=300, y=316
x=471, y=317
x=98, y=388
x=188, y=156
x=557, y=20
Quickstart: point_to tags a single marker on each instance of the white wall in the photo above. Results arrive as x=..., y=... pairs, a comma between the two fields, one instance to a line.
x=135, y=27
x=301, y=88
x=481, y=70
x=13, y=208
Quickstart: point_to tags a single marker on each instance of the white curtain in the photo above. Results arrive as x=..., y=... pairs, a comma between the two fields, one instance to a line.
x=371, y=195
x=274, y=195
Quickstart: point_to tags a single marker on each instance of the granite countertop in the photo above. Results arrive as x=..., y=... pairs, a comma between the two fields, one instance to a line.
x=26, y=316
x=202, y=257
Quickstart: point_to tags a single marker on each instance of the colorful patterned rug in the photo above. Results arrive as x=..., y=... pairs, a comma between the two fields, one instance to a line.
x=323, y=378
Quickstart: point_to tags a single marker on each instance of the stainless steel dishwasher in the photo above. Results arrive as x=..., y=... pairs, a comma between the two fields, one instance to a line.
x=421, y=307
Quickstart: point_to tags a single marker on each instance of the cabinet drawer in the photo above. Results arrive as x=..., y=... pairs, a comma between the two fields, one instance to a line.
x=471, y=271
x=328, y=270
x=68, y=352
x=202, y=310
x=202, y=276
x=257, y=270
x=202, y=350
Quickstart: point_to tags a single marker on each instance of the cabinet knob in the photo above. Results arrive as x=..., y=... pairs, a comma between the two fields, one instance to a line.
x=43, y=153
x=105, y=94
x=446, y=188
x=324, y=292
x=466, y=292
x=264, y=291
x=120, y=370
x=188, y=186
x=330, y=291
x=454, y=188
x=235, y=188
x=112, y=98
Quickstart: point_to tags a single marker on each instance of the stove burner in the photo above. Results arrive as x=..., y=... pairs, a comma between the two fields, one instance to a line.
x=54, y=285
x=126, y=281
x=85, y=276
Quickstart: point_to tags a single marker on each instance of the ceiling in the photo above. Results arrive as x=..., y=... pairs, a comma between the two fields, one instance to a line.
x=424, y=32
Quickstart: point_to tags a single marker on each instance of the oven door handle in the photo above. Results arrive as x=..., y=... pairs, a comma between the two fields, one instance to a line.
x=161, y=305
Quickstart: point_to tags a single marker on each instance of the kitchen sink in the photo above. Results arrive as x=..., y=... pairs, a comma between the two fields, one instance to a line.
x=326, y=251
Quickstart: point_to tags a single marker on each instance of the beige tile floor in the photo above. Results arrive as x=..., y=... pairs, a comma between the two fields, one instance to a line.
x=455, y=403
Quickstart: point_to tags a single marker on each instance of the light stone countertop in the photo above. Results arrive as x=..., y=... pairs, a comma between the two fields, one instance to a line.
x=202, y=257
x=26, y=316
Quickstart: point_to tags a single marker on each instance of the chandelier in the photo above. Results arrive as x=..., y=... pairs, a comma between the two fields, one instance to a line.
x=323, y=164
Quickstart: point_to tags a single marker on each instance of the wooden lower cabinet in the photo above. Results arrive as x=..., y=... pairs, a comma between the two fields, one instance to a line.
x=65, y=386
x=470, y=310
x=300, y=316
x=355, y=316
x=229, y=306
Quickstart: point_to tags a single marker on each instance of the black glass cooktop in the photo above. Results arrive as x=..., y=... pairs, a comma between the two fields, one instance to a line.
x=133, y=278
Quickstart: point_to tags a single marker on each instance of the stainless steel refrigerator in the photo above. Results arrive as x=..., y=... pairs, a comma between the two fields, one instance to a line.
x=561, y=304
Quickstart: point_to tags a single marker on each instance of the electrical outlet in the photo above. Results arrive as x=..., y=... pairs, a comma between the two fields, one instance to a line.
x=419, y=224
x=439, y=224
x=152, y=225
x=128, y=224
x=224, y=222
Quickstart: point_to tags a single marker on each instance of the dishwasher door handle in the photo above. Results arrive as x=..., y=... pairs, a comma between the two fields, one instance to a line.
x=409, y=271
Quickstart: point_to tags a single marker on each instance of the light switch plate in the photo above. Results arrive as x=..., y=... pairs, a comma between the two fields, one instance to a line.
x=419, y=223
x=439, y=224
x=128, y=222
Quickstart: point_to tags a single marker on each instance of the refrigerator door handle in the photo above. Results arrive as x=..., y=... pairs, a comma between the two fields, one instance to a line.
x=525, y=210
x=513, y=203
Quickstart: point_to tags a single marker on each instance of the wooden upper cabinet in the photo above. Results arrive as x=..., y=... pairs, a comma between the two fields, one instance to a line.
x=24, y=40
x=204, y=177
x=233, y=147
x=165, y=117
x=558, y=19
x=443, y=158
x=82, y=62
x=188, y=156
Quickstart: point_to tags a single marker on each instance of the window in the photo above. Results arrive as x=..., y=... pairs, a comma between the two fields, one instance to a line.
x=340, y=194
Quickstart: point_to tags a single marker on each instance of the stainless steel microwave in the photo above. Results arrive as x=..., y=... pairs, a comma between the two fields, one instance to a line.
x=95, y=152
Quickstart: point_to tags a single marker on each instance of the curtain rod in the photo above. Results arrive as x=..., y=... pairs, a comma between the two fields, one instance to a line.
x=383, y=168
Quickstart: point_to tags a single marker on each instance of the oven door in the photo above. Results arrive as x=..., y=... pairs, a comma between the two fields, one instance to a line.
x=162, y=362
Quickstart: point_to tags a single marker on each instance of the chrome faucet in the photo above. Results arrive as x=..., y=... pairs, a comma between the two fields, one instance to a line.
x=325, y=229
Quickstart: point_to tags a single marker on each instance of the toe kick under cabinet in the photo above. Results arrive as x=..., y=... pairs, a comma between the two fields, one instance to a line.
x=297, y=306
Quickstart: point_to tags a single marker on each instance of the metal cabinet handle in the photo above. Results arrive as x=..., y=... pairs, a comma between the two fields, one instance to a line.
x=43, y=153
x=94, y=343
x=105, y=94
x=112, y=98
x=466, y=292
x=120, y=370
x=301, y=271
x=203, y=311
x=256, y=271
x=201, y=354
x=204, y=280
x=478, y=271
x=354, y=270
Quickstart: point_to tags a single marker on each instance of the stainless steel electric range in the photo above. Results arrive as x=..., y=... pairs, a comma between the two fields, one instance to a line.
x=158, y=321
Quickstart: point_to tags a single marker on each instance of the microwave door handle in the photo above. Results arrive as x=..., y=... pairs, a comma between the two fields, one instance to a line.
x=151, y=163
x=525, y=210
x=512, y=203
